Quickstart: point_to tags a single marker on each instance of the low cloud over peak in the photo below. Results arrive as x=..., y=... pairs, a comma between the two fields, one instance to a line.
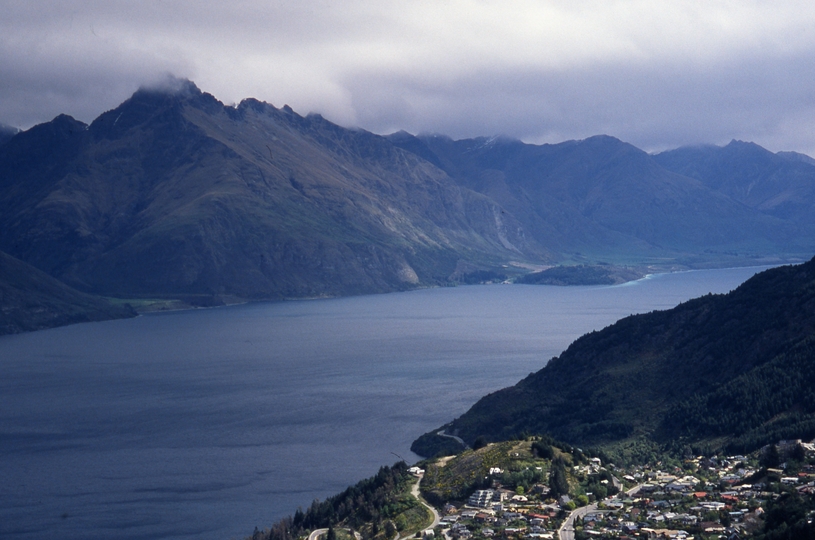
x=656, y=74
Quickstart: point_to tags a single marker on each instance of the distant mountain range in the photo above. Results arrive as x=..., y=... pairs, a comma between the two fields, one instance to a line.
x=733, y=372
x=174, y=194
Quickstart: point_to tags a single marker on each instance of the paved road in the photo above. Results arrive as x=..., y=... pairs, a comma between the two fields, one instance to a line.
x=415, y=492
x=634, y=490
x=461, y=441
x=566, y=531
x=317, y=533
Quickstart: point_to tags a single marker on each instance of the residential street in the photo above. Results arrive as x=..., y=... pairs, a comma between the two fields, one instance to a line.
x=566, y=531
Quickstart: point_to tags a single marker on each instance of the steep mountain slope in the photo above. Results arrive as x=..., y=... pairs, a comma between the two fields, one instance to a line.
x=174, y=193
x=6, y=133
x=735, y=369
x=32, y=300
x=781, y=185
x=604, y=198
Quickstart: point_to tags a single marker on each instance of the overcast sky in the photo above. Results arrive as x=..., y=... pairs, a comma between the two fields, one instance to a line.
x=653, y=73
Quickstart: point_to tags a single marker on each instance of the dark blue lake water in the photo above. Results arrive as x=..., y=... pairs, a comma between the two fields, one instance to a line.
x=203, y=424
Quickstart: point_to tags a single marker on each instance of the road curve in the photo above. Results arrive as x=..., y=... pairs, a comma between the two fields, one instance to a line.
x=566, y=531
x=459, y=439
x=415, y=492
x=317, y=533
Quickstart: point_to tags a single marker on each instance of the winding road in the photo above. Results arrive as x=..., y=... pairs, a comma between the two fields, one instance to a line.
x=459, y=439
x=317, y=533
x=415, y=492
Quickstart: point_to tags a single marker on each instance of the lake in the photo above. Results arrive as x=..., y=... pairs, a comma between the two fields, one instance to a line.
x=206, y=423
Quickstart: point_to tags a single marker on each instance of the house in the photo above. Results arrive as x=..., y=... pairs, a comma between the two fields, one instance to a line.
x=462, y=532
x=712, y=527
x=540, y=489
x=483, y=498
x=628, y=526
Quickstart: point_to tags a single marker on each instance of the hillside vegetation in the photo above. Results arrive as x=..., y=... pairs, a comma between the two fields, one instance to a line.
x=730, y=371
x=32, y=300
x=174, y=194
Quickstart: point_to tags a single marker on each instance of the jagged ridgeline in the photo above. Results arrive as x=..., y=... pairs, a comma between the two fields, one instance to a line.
x=174, y=194
x=733, y=372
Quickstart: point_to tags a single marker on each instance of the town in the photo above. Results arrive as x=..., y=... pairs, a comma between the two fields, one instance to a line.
x=695, y=497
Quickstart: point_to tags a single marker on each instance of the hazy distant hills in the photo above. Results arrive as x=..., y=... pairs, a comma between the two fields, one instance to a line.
x=603, y=198
x=729, y=371
x=781, y=185
x=32, y=300
x=175, y=194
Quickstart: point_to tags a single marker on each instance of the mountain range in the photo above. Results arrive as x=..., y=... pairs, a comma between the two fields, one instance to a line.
x=175, y=195
x=732, y=372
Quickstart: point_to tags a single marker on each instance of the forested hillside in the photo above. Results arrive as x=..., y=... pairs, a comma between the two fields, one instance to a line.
x=730, y=371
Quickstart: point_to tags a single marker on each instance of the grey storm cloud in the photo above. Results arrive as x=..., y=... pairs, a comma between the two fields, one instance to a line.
x=659, y=74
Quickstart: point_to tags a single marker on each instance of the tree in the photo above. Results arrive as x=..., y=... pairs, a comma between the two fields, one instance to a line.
x=543, y=450
x=770, y=457
x=558, y=482
x=480, y=442
x=799, y=454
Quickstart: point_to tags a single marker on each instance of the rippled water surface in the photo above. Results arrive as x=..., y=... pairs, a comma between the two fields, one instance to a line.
x=204, y=424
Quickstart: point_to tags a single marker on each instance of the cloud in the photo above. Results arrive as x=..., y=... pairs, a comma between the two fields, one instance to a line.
x=656, y=73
